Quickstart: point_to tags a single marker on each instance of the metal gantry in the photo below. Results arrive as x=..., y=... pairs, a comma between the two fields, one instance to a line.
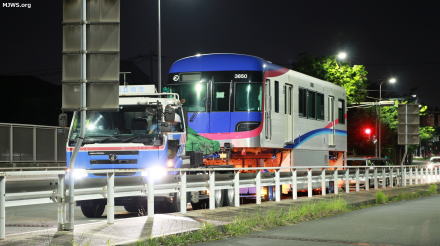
x=211, y=180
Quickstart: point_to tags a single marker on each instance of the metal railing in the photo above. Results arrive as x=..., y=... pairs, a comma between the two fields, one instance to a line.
x=180, y=181
x=32, y=145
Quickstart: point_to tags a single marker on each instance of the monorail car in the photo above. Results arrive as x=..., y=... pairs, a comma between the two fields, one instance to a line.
x=262, y=113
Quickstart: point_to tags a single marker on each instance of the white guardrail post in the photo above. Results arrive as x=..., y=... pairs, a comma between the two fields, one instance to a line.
x=211, y=189
x=323, y=186
x=410, y=176
x=309, y=183
x=357, y=180
x=336, y=181
x=237, y=188
x=110, y=197
x=367, y=178
x=391, y=171
x=277, y=186
x=150, y=198
x=416, y=174
x=347, y=180
x=183, y=192
x=384, y=178
x=294, y=185
x=2, y=207
x=376, y=183
x=61, y=200
x=258, y=187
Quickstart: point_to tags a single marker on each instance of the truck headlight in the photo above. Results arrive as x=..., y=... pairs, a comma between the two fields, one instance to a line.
x=156, y=172
x=78, y=173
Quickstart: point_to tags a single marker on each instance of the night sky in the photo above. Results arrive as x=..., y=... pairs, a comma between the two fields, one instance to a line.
x=392, y=38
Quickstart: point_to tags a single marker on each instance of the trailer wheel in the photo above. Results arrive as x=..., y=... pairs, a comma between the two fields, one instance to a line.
x=92, y=209
x=228, y=197
x=201, y=204
x=218, y=195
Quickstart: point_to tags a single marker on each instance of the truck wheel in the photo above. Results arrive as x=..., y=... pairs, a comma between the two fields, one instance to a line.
x=175, y=203
x=131, y=208
x=228, y=197
x=92, y=209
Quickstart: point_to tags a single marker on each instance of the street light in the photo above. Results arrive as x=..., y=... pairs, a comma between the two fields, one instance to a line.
x=391, y=80
x=342, y=55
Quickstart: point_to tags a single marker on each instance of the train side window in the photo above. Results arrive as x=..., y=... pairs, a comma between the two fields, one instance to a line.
x=277, y=97
x=311, y=105
x=320, y=106
x=341, y=111
x=290, y=99
x=302, y=102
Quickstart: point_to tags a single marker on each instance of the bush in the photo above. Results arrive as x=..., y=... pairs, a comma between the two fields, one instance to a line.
x=381, y=198
x=432, y=189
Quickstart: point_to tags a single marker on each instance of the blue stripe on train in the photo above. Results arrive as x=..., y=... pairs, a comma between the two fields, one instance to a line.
x=303, y=138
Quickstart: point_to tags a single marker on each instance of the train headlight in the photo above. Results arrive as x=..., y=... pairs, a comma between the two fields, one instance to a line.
x=79, y=173
x=155, y=172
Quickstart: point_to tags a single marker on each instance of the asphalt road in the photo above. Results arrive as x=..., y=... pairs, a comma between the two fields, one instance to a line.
x=415, y=222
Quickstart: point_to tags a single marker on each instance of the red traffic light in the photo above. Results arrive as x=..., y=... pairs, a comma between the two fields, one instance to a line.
x=367, y=131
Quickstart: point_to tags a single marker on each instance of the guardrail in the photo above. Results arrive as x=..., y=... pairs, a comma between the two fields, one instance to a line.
x=207, y=179
x=32, y=145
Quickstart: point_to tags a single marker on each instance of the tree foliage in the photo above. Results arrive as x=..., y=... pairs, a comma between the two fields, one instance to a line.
x=352, y=78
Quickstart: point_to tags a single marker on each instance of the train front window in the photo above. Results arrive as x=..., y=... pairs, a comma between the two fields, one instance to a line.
x=192, y=95
x=220, y=97
x=248, y=96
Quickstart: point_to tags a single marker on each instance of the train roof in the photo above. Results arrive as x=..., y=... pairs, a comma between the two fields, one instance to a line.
x=235, y=62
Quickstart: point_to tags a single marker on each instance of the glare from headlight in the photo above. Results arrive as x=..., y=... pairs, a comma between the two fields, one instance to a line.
x=155, y=172
x=79, y=173
x=170, y=163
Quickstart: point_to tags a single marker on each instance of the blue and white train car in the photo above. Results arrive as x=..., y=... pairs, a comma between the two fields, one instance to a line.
x=262, y=113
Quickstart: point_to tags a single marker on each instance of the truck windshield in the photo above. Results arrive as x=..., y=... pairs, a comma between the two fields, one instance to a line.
x=129, y=124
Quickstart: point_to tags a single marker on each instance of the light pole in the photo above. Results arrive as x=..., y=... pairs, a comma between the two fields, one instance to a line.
x=159, y=52
x=379, y=133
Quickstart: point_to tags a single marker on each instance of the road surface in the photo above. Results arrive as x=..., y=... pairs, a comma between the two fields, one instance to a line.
x=415, y=222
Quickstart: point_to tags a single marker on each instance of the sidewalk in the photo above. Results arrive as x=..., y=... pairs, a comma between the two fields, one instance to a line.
x=130, y=230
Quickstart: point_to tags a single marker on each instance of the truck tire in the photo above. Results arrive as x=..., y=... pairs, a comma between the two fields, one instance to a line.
x=175, y=203
x=132, y=208
x=228, y=197
x=92, y=209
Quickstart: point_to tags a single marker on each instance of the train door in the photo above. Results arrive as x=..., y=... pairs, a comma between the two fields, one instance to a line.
x=267, y=110
x=331, y=119
x=288, y=110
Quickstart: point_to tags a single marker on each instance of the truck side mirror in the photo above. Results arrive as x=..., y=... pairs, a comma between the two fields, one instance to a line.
x=62, y=120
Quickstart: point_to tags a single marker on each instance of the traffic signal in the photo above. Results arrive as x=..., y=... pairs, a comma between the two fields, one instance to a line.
x=367, y=131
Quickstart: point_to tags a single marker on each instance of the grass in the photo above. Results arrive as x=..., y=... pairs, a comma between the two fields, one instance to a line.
x=257, y=222
x=264, y=220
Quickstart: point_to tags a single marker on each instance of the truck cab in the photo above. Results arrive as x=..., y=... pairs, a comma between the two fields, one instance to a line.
x=146, y=134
